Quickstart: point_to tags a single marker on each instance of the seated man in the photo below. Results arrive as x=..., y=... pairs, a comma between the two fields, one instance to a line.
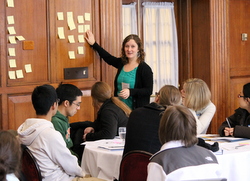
x=143, y=123
x=70, y=98
x=179, y=157
x=45, y=143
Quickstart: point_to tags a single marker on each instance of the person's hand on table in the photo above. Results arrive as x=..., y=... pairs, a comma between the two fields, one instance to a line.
x=228, y=131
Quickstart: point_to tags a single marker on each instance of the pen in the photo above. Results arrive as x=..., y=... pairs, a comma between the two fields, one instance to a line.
x=228, y=123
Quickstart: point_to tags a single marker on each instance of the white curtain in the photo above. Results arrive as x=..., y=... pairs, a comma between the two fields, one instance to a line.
x=129, y=18
x=160, y=42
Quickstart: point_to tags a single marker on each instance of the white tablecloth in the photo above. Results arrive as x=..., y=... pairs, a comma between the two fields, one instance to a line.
x=100, y=162
x=105, y=164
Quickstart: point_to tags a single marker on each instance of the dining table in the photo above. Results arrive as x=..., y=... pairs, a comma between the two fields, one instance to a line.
x=102, y=158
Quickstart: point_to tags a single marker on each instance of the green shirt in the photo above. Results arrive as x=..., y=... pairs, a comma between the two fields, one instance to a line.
x=61, y=124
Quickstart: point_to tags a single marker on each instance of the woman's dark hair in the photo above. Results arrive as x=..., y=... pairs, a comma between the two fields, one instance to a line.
x=10, y=155
x=141, y=53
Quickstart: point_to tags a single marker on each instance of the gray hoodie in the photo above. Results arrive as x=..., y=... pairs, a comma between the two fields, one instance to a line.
x=48, y=147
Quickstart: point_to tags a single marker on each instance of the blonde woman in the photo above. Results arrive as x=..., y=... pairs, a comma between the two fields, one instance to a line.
x=197, y=97
x=112, y=113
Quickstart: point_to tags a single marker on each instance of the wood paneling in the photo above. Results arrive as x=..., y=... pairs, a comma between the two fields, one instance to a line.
x=19, y=108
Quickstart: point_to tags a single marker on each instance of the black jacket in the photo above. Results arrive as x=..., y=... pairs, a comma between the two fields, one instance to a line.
x=109, y=118
x=240, y=121
x=142, y=129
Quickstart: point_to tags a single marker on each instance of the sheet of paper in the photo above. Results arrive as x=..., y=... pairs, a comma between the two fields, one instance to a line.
x=61, y=33
x=80, y=19
x=70, y=21
x=80, y=50
x=12, y=74
x=28, y=68
x=87, y=27
x=125, y=85
x=19, y=74
x=10, y=20
x=12, y=52
x=20, y=38
x=72, y=55
x=10, y=3
x=71, y=39
x=80, y=28
x=12, y=63
x=11, y=30
x=12, y=39
x=60, y=16
x=81, y=38
x=87, y=16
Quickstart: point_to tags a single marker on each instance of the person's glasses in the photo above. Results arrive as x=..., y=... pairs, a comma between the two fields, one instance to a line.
x=77, y=104
x=157, y=93
x=239, y=96
x=57, y=101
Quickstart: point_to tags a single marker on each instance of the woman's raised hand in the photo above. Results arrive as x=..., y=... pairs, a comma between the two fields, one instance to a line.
x=89, y=37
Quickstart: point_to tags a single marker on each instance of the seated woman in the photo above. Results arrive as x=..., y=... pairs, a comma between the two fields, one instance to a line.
x=180, y=158
x=10, y=156
x=197, y=97
x=238, y=124
x=112, y=114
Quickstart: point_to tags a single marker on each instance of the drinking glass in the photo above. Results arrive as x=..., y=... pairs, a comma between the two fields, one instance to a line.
x=122, y=133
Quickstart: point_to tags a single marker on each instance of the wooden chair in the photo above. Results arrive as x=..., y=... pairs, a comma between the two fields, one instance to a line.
x=30, y=169
x=134, y=166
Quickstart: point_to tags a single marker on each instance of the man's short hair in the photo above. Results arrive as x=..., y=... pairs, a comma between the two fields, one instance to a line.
x=43, y=97
x=67, y=92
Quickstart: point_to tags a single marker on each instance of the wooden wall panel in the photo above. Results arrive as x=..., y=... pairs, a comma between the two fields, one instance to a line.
x=19, y=108
x=30, y=21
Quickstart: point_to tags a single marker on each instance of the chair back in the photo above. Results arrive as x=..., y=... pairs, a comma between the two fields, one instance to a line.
x=30, y=168
x=134, y=166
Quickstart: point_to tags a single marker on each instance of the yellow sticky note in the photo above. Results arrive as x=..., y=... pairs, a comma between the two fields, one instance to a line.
x=12, y=74
x=20, y=38
x=87, y=27
x=70, y=21
x=19, y=74
x=10, y=3
x=80, y=38
x=80, y=19
x=10, y=20
x=12, y=63
x=71, y=39
x=80, y=50
x=28, y=68
x=61, y=33
x=72, y=55
x=80, y=29
x=12, y=52
x=87, y=16
x=60, y=16
x=12, y=39
x=11, y=30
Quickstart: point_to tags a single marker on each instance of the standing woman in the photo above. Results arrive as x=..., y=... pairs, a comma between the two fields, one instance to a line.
x=134, y=79
x=197, y=97
x=112, y=114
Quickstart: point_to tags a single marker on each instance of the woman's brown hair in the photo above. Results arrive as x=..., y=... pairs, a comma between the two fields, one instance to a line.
x=178, y=124
x=101, y=91
x=141, y=53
